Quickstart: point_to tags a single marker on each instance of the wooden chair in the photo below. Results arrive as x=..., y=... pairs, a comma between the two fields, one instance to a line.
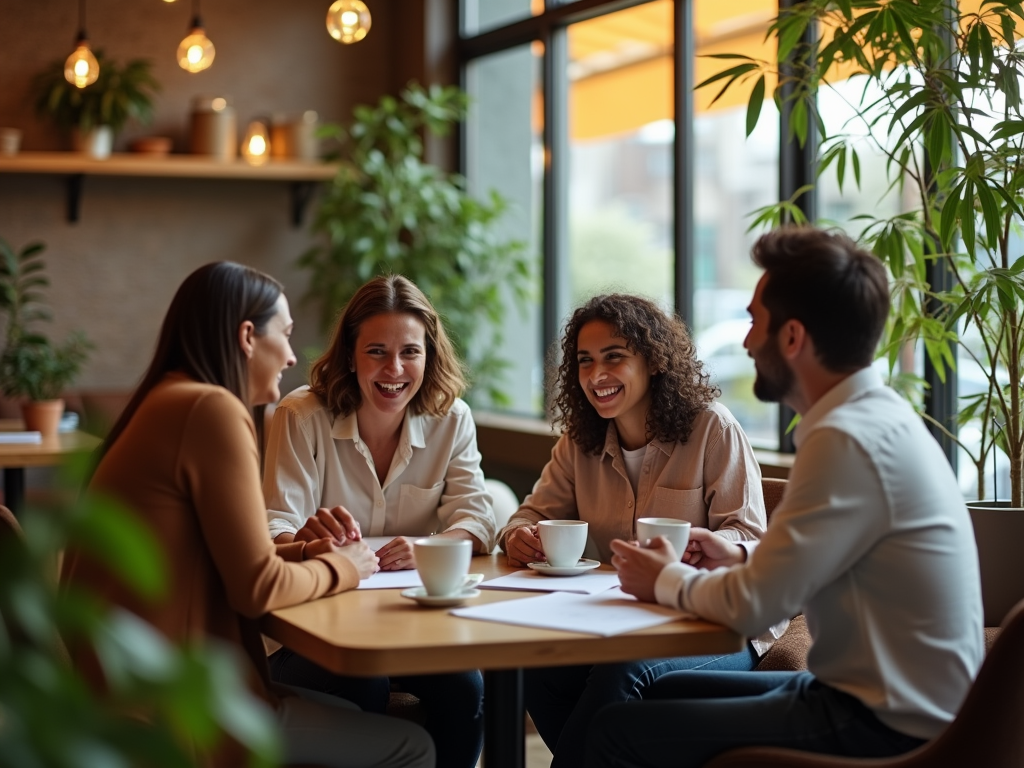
x=986, y=732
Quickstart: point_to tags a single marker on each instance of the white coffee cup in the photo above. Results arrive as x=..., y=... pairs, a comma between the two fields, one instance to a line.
x=443, y=563
x=563, y=541
x=676, y=531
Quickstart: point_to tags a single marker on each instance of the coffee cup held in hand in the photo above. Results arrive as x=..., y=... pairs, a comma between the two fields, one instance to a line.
x=563, y=541
x=443, y=565
x=676, y=531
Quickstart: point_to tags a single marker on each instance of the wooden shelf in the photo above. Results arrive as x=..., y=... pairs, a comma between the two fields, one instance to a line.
x=302, y=175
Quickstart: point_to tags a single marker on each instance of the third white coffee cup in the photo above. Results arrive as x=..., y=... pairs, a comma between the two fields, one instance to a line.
x=443, y=565
x=676, y=531
x=563, y=541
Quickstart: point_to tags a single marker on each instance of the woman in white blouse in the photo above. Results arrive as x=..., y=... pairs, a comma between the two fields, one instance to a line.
x=382, y=433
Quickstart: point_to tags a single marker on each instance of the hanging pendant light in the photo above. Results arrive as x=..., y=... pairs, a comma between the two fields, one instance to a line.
x=196, y=52
x=81, y=68
x=348, y=21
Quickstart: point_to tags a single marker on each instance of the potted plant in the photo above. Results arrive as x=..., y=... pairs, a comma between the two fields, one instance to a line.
x=96, y=113
x=31, y=366
x=388, y=211
x=940, y=97
x=195, y=696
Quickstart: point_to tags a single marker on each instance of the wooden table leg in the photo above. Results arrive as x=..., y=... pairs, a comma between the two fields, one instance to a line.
x=504, y=719
x=14, y=489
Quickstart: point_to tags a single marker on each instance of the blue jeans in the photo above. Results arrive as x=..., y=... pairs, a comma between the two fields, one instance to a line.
x=564, y=700
x=688, y=718
x=453, y=703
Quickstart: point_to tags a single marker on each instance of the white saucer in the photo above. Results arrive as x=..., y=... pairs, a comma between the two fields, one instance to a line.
x=582, y=566
x=419, y=594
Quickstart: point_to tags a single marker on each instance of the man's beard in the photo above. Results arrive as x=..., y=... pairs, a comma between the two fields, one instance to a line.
x=774, y=378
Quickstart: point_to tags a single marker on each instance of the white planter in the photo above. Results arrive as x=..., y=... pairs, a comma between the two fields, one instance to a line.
x=97, y=143
x=999, y=530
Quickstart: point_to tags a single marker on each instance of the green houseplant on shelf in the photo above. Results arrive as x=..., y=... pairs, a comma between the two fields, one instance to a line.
x=97, y=113
x=388, y=211
x=939, y=86
x=32, y=367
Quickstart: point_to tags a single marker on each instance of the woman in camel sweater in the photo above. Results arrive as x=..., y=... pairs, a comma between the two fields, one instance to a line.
x=184, y=457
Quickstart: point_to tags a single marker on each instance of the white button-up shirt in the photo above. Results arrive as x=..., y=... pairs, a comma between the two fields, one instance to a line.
x=434, y=483
x=873, y=542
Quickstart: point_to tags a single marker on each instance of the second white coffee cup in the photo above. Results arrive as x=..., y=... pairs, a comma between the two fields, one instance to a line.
x=443, y=565
x=563, y=541
x=676, y=531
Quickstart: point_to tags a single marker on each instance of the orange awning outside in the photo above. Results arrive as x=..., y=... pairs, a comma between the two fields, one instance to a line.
x=621, y=64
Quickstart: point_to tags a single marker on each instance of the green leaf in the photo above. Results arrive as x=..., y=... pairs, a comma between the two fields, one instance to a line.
x=755, y=104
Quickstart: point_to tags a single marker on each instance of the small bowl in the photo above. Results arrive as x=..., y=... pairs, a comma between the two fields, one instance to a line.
x=154, y=146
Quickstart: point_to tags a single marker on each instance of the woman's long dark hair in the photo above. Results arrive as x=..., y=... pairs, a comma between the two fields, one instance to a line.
x=680, y=387
x=199, y=335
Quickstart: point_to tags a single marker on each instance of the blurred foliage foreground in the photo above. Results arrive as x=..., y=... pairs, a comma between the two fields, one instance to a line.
x=193, y=696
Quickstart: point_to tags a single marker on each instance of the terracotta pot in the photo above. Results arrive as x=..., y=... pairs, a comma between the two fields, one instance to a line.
x=43, y=416
x=998, y=530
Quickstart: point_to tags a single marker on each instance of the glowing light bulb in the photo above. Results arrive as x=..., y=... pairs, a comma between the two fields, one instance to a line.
x=81, y=68
x=256, y=144
x=348, y=21
x=196, y=52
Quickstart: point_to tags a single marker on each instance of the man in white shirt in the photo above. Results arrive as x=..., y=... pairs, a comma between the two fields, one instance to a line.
x=872, y=542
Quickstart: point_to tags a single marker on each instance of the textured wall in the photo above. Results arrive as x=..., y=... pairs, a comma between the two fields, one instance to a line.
x=115, y=271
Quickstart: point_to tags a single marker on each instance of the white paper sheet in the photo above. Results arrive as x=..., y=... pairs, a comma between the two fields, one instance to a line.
x=376, y=542
x=585, y=583
x=21, y=438
x=611, y=612
x=391, y=580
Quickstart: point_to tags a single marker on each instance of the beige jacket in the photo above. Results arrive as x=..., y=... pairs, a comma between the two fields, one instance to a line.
x=712, y=480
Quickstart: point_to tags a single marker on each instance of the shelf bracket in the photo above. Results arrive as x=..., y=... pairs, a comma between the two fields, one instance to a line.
x=74, y=196
x=301, y=194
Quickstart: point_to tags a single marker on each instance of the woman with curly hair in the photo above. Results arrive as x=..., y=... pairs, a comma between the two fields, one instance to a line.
x=642, y=437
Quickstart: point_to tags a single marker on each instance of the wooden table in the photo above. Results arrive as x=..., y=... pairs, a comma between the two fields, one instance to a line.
x=14, y=458
x=378, y=632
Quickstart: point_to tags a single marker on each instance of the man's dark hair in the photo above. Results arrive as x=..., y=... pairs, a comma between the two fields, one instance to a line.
x=839, y=292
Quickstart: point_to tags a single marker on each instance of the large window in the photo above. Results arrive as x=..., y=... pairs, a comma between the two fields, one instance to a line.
x=573, y=120
x=503, y=152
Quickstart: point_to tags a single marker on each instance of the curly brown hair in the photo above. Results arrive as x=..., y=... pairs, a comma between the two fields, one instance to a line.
x=332, y=378
x=680, y=387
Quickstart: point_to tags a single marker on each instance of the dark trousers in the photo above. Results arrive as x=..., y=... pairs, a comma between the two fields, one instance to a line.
x=564, y=700
x=698, y=715
x=452, y=703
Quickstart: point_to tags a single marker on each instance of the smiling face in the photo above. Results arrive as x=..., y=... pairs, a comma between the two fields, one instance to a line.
x=616, y=381
x=389, y=360
x=271, y=355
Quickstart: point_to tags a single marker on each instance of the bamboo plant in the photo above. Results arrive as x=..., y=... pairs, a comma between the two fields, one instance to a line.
x=940, y=98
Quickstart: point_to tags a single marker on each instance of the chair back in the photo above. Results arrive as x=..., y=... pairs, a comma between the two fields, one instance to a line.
x=989, y=729
x=772, y=488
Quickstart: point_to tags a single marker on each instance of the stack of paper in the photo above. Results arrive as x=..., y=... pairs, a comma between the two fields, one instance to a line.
x=585, y=583
x=611, y=612
x=20, y=438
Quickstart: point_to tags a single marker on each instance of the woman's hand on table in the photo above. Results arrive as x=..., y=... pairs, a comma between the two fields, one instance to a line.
x=361, y=556
x=397, y=555
x=335, y=523
x=523, y=546
x=708, y=550
x=639, y=567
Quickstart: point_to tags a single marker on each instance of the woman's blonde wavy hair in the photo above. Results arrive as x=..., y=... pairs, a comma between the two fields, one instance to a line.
x=331, y=377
